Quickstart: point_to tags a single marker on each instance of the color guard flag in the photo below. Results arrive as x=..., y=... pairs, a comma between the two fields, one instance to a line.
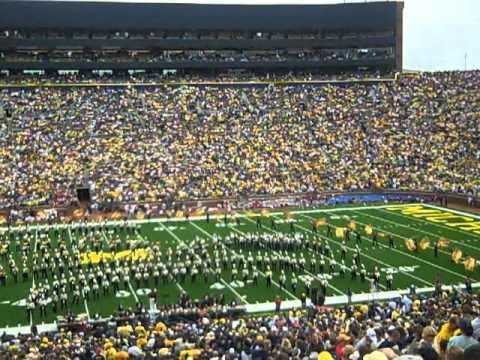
x=410, y=244
x=339, y=232
x=368, y=229
x=352, y=225
x=320, y=222
x=288, y=216
x=470, y=263
x=442, y=242
x=265, y=213
x=424, y=244
x=456, y=255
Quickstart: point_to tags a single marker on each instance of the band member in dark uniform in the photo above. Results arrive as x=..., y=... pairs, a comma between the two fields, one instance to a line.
x=329, y=230
x=390, y=241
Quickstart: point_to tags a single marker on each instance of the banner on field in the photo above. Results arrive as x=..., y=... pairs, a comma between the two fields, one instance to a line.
x=95, y=257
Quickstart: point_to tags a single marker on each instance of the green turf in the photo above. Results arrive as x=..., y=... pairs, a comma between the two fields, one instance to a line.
x=171, y=234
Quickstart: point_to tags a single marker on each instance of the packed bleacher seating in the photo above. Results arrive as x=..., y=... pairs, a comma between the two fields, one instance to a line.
x=171, y=56
x=199, y=142
x=444, y=326
x=75, y=78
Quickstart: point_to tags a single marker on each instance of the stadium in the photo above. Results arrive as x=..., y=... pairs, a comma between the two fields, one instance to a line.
x=195, y=180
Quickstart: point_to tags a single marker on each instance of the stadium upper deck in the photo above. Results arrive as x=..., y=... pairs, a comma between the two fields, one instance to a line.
x=125, y=35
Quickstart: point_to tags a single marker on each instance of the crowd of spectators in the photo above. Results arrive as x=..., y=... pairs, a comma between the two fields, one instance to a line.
x=74, y=77
x=179, y=142
x=409, y=328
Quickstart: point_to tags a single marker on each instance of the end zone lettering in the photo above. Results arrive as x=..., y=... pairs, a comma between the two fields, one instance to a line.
x=440, y=216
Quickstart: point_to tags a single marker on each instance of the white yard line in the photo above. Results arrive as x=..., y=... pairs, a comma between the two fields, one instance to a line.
x=259, y=271
x=70, y=240
x=363, y=254
x=431, y=223
x=235, y=292
x=176, y=283
x=35, y=242
x=133, y=291
x=308, y=272
x=412, y=256
x=179, y=287
x=86, y=309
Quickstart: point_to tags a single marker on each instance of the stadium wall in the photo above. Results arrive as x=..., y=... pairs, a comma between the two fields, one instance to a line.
x=279, y=201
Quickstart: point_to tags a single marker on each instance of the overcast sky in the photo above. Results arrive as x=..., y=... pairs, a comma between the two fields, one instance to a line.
x=437, y=33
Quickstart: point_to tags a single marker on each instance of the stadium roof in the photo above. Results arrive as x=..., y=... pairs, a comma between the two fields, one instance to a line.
x=182, y=16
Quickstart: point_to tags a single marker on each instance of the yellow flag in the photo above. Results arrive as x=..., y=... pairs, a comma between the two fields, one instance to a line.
x=288, y=215
x=470, y=263
x=41, y=215
x=368, y=229
x=352, y=225
x=381, y=235
x=443, y=242
x=339, y=232
x=78, y=213
x=320, y=222
x=116, y=215
x=424, y=244
x=265, y=213
x=219, y=215
x=410, y=245
x=199, y=211
x=456, y=255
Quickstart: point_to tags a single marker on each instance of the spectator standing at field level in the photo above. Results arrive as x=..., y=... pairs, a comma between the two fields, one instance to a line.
x=278, y=303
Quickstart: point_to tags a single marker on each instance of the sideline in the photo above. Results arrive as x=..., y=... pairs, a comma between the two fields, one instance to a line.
x=202, y=217
x=270, y=306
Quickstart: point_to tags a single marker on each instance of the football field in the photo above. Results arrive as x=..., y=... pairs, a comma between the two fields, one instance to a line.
x=214, y=244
